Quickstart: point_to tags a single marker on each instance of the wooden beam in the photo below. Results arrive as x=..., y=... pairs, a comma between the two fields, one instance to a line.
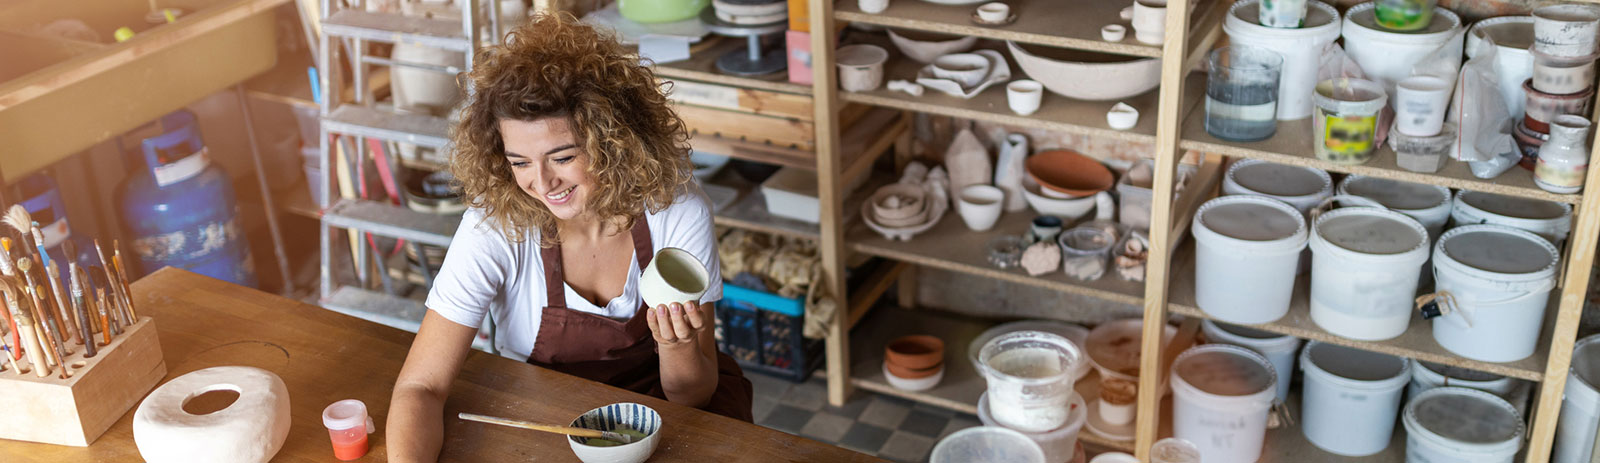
x=830, y=192
x=863, y=300
x=1168, y=117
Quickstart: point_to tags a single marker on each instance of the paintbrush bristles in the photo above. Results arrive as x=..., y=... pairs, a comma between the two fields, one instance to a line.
x=17, y=217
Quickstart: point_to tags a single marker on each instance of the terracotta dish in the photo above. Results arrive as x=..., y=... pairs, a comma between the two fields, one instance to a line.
x=907, y=373
x=1070, y=173
x=919, y=352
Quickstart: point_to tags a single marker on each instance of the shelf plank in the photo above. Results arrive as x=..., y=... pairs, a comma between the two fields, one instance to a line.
x=1417, y=342
x=702, y=66
x=962, y=385
x=1040, y=22
x=950, y=245
x=1293, y=142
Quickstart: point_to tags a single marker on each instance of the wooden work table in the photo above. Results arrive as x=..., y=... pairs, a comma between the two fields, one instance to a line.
x=324, y=356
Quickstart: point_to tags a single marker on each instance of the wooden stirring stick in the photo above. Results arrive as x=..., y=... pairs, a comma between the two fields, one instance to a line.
x=570, y=431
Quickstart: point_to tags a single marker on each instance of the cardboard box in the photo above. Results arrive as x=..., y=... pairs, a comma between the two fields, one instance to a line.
x=798, y=44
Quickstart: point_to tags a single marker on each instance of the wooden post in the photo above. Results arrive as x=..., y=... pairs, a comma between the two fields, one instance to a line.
x=830, y=192
x=1574, y=291
x=1168, y=117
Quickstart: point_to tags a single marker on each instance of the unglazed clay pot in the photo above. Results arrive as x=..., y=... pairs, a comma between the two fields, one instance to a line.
x=1069, y=173
x=918, y=352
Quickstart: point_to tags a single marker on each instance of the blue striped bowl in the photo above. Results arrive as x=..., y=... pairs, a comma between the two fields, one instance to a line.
x=634, y=416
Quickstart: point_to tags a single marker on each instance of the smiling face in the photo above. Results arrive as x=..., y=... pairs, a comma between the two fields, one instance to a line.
x=547, y=164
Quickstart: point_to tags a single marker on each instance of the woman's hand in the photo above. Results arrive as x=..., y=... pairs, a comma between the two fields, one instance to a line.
x=675, y=325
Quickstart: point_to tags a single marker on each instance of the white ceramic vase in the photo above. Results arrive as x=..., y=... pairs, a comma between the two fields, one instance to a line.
x=1564, y=160
x=1009, y=170
x=967, y=161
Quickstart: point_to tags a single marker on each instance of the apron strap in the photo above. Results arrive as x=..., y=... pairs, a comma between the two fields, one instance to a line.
x=555, y=279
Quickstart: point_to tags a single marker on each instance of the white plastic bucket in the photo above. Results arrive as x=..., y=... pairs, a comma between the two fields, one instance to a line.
x=1365, y=266
x=1513, y=64
x=1429, y=204
x=1301, y=49
x=1059, y=444
x=1247, y=249
x=1301, y=187
x=1428, y=375
x=1551, y=220
x=1278, y=348
x=1501, y=279
x=1580, y=406
x=1350, y=398
x=1460, y=425
x=1387, y=56
x=1221, y=397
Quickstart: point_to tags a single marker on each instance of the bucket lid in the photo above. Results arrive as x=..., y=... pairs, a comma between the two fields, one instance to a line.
x=1258, y=222
x=985, y=444
x=1226, y=371
x=1496, y=252
x=1355, y=368
x=1395, y=194
x=1073, y=332
x=1244, y=18
x=1372, y=232
x=1279, y=180
x=1458, y=373
x=1511, y=34
x=1466, y=420
x=1513, y=206
x=1238, y=335
x=1363, y=20
x=1586, y=362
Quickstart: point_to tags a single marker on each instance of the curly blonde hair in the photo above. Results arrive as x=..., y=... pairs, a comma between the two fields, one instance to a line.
x=556, y=66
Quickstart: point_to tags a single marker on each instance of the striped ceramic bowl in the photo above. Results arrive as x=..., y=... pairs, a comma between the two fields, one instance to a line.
x=611, y=417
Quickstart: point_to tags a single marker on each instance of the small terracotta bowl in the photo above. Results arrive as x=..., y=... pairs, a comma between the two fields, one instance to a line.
x=908, y=373
x=1069, y=173
x=919, y=352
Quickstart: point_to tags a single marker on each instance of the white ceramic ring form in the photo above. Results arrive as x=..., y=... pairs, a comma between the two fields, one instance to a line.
x=1024, y=96
x=994, y=12
x=967, y=69
x=1122, y=117
x=980, y=206
x=251, y=429
x=1149, y=21
x=674, y=275
x=1113, y=32
x=872, y=6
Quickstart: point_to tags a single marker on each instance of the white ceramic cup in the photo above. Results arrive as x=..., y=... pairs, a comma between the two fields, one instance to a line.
x=1113, y=32
x=861, y=67
x=1024, y=96
x=1149, y=21
x=1419, y=105
x=872, y=6
x=994, y=12
x=967, y=69
x=980, y=206
x=674, y=275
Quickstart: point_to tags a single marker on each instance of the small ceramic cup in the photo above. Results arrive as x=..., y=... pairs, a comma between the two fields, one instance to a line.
x=1024, y=96
x=861, y=67
x=1113, y=32
x=994, y=12
x=674, y=275
x=872, y=6
x=1044, y=228
x=980, y=206
x=966, y=69
x=1122, y=116
x=1149, y=21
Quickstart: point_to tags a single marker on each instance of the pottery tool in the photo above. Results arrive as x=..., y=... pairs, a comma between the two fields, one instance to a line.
x=68, y=317
x=570, y=431
x=84, y=330
x=121, y=282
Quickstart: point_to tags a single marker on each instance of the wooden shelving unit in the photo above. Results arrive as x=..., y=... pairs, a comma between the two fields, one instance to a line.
x=702, y=66
x=1172, y=120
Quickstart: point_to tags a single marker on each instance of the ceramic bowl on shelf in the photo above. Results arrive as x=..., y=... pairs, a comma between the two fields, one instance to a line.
x=1113, y=348
x=707, y=164
x=1069, y=173
x=916, y=352
x=1067, y=209
x=924, y=47
x=635, y=416
x=967, y=69
x=899, y=201
x=913, y=384
x=1086, y=75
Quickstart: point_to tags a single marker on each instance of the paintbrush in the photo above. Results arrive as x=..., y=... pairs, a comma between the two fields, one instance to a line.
x=106, y=268
x=30, y=336
x=61, y=347
x=78, y=309
x=17, y=218
x=122, y=280
x=38, y=242
x=9, y=360
x=105, y=323
x=7, y=268
x=42, y=310
x=109, y=306
x=52, y=283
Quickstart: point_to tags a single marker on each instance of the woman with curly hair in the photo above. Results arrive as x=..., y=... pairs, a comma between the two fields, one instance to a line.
x=576, y=172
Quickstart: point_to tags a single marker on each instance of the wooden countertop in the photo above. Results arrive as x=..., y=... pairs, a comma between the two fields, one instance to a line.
x=324, y=356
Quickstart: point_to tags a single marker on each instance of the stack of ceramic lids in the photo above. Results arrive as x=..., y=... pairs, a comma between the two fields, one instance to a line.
x=751, y=12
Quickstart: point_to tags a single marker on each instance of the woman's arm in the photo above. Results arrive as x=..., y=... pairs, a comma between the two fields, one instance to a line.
x=688, y=345
x=416, y=421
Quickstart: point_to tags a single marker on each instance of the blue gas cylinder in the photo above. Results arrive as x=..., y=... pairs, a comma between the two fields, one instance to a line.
x=179, y=210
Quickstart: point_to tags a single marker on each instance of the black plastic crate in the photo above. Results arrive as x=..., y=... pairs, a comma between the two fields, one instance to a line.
x=763, y=332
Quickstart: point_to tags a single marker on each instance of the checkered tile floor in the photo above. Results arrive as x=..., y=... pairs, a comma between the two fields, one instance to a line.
x=887, y=427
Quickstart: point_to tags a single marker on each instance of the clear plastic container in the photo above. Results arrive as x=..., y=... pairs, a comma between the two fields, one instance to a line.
x=348, y=426
x=986, y=444
x=1345, y=123
x=1242, y=92
x=1086, y=252
x=1030, y=375
x=1404, y=15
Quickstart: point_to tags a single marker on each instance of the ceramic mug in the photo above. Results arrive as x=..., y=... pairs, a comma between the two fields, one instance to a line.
x=1150, y=21
x=861, y=67
x=1024, y=96
x=980, y=206
x=674, y=275
x=994, y=12
x=872, y=6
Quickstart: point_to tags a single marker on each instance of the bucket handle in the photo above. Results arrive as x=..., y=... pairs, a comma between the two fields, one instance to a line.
x=1324, y=206
x=1444, y=303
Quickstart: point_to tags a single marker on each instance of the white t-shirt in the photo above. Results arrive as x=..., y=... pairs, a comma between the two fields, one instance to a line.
x=484, y=273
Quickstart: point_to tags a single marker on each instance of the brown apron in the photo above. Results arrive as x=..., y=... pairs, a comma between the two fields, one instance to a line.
x=615, y=352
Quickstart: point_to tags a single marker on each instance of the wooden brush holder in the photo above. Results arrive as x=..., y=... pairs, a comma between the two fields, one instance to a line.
x=77, y=410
